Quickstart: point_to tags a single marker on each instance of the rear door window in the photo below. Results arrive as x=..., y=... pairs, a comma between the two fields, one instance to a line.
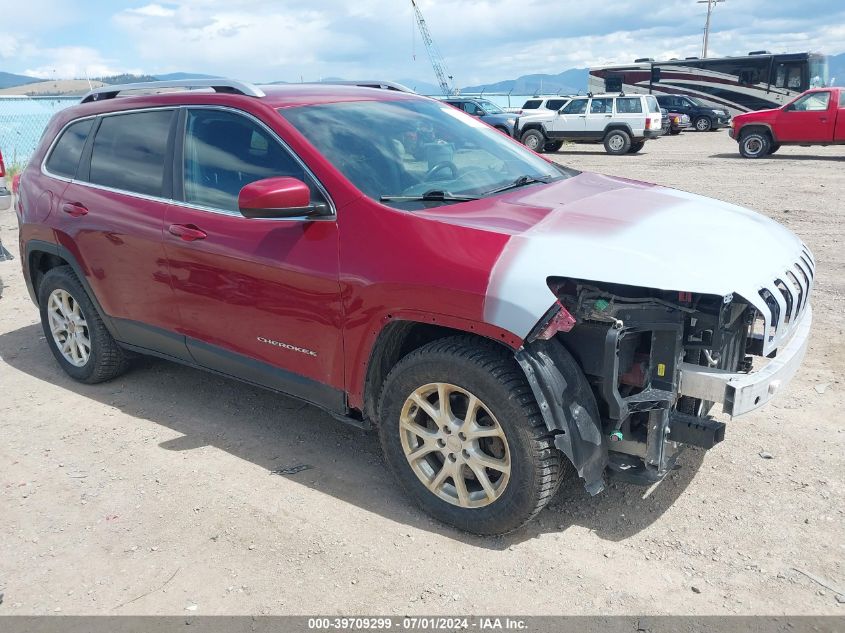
x=65, y=156
x=601, y=106
x=555, y=104
x=130, y=152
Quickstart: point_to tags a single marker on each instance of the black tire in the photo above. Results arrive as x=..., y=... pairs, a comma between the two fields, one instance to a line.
x=553, y=146
x=106, y=360
x=773, y=148
x=754, y=144
x=489, y=372
x=675, y=132
x=617, y=142
x=703, y=123
x=534, y=140
x=636, y=147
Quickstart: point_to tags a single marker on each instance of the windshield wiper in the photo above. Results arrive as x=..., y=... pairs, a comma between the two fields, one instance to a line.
x=435, y=195
x=520, y=182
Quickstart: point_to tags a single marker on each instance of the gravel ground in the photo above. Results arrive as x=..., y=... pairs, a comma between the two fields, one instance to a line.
x=166, y=491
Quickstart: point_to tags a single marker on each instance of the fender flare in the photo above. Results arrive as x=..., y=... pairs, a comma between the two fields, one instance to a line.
x=767, y=126
x=63, y=253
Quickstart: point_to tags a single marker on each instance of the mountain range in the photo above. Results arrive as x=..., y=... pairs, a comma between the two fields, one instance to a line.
x=569, y=81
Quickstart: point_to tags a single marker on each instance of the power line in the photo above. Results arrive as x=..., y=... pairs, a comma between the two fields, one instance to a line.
x=710, y=5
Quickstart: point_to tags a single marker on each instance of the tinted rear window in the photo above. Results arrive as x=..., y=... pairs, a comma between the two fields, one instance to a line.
x=66, y=154
x=653, y=106
x=130, y=150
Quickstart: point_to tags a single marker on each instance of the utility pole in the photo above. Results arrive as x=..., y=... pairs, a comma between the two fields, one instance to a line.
x=710, y=5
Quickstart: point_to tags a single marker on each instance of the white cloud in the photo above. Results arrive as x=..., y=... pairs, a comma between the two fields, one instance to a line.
x=73, y=62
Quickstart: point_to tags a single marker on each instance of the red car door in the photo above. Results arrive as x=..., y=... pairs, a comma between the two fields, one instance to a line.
x=808, y=119
x=110, y=217
x=839, y=133
x=259, y=298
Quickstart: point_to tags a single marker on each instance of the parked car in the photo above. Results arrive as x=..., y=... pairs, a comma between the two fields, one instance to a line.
x=673, y=122
x=485, y=110
x=552, y=102
x=704, y=117
x=622, y=122
x=5, y=194
x=491, y=313
x=817, y=117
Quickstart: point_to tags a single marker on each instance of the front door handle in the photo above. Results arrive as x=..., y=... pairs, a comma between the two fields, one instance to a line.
x=74, y=209
x=187, y=232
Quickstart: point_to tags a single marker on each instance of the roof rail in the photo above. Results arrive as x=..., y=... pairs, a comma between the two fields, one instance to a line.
x=228, y=86
x=375, y=83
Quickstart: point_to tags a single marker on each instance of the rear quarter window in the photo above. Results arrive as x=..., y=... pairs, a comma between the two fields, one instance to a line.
x=130, y=151
x=64, y=159
x=842, y=98
x=629, y=105
x=532, y=104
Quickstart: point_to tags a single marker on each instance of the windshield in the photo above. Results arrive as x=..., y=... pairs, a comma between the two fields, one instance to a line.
x=490, y=107
x=415, y=147
x=698, y=102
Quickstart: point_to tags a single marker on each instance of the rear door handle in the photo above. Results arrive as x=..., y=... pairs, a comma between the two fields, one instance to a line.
x=74, y=209
x=187, y=232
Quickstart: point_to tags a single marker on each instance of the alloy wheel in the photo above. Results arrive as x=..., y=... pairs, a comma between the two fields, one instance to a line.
x=69, y=328
x=455, y=445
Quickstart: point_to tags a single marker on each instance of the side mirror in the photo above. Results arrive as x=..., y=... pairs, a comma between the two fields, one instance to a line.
x=281, y=197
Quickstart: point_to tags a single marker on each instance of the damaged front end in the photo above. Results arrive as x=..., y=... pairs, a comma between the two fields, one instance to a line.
x=655, y=361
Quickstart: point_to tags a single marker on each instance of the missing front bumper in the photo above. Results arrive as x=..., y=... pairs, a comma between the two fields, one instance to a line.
x=741, y=393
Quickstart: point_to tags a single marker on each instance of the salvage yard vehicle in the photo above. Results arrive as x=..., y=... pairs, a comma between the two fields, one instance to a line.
x=621, y=122
x=494, y=315
x=674, y=122
x=485, y=110
x=705, y=118
x=817, y=117
x=553, y=103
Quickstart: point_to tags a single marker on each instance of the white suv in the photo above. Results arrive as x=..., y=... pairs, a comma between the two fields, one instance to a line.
x=622, y=122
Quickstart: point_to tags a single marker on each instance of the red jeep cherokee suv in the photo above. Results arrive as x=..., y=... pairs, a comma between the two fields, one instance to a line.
x=403, y=265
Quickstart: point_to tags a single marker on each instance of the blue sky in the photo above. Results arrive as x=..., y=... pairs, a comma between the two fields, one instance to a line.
x=482, y=40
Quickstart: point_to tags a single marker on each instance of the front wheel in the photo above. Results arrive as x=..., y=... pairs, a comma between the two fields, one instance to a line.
x=617, y=142
x=463, y=434
x=774, y=147
x=754, y=144
x=703, y=124
x=534, y=140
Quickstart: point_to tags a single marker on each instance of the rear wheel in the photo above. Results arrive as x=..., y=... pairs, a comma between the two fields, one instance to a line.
x=534, y=140
x=703, y=124
x=462, y=433
x=617, y=142
x=754, y=144
x=636, y=147
x=74, y=330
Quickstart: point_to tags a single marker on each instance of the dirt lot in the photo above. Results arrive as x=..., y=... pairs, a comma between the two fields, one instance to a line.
x=165, y=490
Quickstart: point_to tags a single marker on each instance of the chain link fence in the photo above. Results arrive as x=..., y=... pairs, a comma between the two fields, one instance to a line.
x=22, y=121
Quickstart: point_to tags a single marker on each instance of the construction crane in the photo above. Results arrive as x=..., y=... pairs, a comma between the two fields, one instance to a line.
x=437, y=62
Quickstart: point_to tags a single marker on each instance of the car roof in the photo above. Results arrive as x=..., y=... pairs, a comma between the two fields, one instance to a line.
x=274, y=96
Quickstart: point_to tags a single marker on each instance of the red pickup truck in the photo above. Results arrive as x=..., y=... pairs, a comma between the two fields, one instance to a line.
x=817, y=117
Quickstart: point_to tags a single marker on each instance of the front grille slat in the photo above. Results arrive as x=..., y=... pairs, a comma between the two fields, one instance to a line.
x=786, y=298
